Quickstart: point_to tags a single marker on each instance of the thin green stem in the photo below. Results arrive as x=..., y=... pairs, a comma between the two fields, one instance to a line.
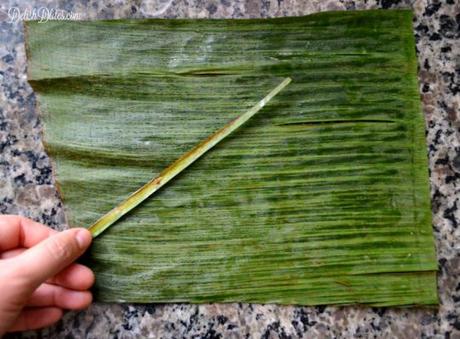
x=180, y=164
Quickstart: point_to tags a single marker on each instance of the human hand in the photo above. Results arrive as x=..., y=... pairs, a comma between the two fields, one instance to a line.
x=37, y=277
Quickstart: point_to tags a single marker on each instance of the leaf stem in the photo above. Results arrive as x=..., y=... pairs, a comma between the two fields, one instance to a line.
x=180, y=164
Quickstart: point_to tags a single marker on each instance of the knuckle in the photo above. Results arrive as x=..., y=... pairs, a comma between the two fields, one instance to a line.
x=60, y=249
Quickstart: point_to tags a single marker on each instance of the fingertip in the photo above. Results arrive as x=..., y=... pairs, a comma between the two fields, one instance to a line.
x=55, y=314
x=86, y=301
x=76, y=277
x=86, y=279
x=49, y=316
x=83, y=237
x=74, y=300
x=91, y=278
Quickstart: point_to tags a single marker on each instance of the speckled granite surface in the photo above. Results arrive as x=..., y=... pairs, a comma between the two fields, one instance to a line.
x=26, y=183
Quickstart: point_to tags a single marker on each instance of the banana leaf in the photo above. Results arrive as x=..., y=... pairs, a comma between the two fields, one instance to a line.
x=322, y=198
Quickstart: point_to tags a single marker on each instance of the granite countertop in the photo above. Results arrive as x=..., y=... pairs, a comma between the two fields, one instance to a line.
x=27, y=186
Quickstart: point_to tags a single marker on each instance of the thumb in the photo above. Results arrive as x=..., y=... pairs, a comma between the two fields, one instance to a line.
x=51, y=256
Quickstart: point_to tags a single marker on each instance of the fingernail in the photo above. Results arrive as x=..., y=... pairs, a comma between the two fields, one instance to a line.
x=83, y=238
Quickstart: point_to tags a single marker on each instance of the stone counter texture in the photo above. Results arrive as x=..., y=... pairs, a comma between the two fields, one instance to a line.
x=27, y=185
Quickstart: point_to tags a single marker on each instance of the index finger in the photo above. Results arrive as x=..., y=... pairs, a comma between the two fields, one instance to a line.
x=17, y=231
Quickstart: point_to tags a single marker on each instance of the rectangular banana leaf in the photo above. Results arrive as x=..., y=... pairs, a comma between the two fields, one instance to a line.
x=322, y=198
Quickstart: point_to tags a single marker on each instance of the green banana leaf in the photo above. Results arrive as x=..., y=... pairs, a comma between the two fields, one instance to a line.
x=321, y=198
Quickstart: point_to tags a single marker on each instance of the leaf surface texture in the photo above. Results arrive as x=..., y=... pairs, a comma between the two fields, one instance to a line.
x=322, y=198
